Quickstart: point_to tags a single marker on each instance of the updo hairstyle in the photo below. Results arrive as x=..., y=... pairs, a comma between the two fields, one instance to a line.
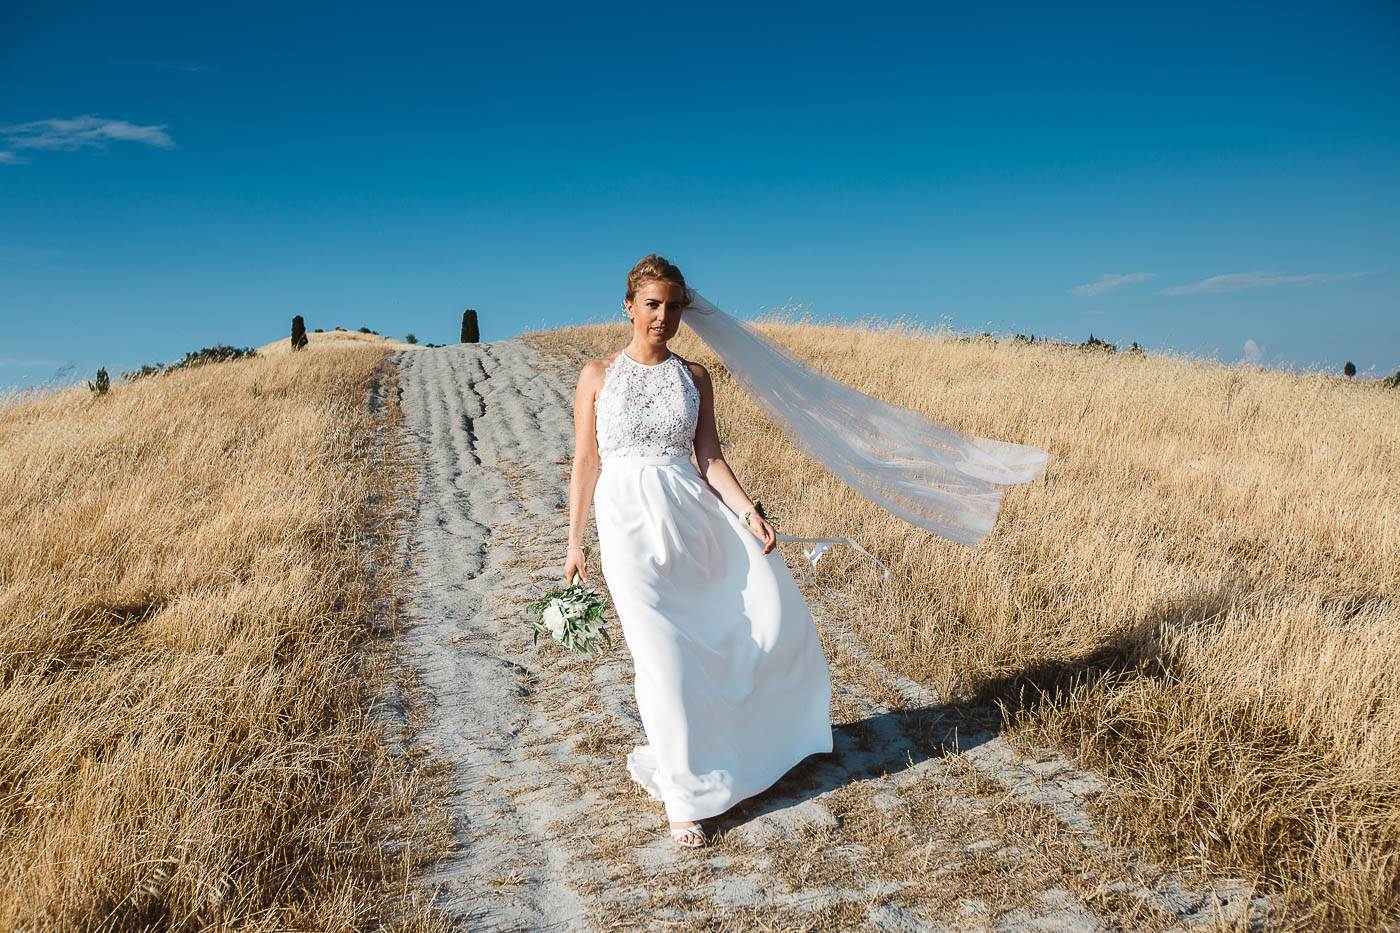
x=653, y=268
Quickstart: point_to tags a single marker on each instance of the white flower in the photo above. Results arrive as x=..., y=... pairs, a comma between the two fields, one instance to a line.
x=553, y=619
x=564, y=614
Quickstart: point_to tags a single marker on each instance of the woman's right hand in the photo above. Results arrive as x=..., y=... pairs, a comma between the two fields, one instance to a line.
x=576, y=562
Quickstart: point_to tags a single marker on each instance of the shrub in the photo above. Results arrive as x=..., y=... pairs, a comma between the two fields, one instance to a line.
x=218, y=353
x=146, y=370
x=1349, y=370
x=102, y=384
x=410, y=339
x=1093, y=343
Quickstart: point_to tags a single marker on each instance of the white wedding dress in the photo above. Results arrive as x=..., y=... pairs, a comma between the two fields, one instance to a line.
x=731, y=682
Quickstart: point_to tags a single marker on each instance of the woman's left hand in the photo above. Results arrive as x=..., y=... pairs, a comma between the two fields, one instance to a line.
x=763, y=530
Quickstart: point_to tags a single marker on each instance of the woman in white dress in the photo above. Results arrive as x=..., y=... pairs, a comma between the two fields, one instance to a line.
x=731, y=683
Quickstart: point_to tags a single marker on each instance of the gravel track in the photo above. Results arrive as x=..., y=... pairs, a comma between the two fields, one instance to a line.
x=922, y=818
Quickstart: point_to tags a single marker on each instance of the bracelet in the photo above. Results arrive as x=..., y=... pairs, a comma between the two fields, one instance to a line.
x=576, y=547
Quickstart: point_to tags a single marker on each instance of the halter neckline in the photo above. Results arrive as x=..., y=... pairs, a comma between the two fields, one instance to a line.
x=648, y=365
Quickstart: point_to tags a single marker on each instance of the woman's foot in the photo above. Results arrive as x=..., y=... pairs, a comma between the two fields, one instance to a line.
x=691, y=834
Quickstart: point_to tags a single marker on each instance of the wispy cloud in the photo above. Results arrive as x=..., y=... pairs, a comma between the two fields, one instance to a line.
x=1253, y=353
x=1109, y=281
x=85, y=132
x=9, y=158
x=1241, y=281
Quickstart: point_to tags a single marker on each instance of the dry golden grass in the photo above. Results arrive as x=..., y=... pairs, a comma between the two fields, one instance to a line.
x=1199, y=599
x=191, y=644
x=338, y=339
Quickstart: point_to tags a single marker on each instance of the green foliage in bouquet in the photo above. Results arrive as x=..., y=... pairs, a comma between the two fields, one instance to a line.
x=573, y=616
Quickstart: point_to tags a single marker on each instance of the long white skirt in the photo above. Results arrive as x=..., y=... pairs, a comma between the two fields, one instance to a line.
x=732, y=685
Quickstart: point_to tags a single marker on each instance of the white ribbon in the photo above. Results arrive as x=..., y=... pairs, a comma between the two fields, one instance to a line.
x=821, y=545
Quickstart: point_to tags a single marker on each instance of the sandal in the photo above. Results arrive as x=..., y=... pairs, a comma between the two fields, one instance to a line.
x=679, y=833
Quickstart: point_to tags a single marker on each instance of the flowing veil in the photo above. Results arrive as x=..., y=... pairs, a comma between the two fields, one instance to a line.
x=929, y=474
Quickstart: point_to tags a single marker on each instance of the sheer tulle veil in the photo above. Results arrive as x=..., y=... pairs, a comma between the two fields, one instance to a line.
x=929, y=474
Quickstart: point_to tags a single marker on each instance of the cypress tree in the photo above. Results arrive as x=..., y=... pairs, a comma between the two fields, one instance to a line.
x=298, y=333
x=470, y=332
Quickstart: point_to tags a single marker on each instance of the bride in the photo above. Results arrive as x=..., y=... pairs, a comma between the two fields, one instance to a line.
x=731, y=683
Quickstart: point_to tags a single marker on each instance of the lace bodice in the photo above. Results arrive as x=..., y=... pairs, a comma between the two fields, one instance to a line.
x=646, y=410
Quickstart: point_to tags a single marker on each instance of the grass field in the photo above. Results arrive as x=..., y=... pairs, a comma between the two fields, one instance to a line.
x=191, y=645
x=1199, y=599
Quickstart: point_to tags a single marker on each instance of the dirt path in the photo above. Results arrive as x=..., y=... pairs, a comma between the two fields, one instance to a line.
x=922, y=818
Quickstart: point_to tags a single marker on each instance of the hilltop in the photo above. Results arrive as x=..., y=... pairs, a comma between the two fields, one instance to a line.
x=337, y=338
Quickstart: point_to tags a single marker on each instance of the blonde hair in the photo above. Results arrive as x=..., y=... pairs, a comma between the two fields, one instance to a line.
x=652, y=268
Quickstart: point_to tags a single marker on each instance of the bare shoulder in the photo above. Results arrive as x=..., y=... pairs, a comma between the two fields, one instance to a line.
x=699, y=373
x=591, y=376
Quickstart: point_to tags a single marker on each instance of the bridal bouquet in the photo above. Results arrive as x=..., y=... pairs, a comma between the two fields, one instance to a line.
x=573, y=615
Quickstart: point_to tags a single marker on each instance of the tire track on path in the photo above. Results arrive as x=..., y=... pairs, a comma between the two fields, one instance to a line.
x=467, y=408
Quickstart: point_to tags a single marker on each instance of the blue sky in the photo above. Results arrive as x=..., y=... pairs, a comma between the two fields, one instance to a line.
x=1187, y=176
